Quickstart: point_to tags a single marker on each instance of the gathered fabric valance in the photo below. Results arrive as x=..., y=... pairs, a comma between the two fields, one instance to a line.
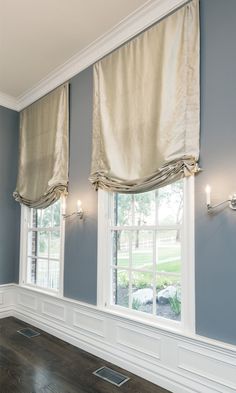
x=146, y=107
x=43, y=150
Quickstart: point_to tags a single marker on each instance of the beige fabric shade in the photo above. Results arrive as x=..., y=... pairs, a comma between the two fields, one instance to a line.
x=43, y=152
x=146, y=107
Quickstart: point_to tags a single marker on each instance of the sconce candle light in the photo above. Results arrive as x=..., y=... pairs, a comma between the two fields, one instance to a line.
x=208, y=195
x=79, y=213
x=231, y=201
x=63, y=206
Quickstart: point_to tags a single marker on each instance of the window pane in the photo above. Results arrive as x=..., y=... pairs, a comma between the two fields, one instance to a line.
x=120, y=285
x=55, y=244
x=31, y=271
x=37, y=220
x=142, y=249
x=42, y=244
x=34, y=218
x=42, y=217
x=53, y=280
x=122, y=209
x=144, y=208
x=170, y=204
x=120, y=249
x=136, y=249
x=31, y=243
x=169, y=297
x=42, y=273
x=56, y=213
x=142, y=292
x=168, y=251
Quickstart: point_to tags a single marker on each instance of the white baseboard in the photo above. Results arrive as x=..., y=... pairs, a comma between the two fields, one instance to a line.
x=5, y=313
x=177, y=363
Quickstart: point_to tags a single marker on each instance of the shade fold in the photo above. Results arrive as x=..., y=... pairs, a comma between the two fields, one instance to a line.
x=146, y=107
x=43, y=150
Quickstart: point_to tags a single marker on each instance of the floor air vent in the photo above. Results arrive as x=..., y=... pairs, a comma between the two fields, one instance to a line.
x=111, y=376
x=28, y=332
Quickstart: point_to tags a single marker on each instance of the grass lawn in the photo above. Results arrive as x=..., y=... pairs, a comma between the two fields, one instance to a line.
x=168, y=262
x=143, y=260
x=169, y=267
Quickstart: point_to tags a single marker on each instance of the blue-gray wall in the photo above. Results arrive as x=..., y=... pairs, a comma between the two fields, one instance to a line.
x=215, y=236
x=80, y=279
x=9, y=209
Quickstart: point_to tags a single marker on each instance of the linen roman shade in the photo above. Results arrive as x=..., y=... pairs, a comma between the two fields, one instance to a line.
x=146, y=107
x=43, y=150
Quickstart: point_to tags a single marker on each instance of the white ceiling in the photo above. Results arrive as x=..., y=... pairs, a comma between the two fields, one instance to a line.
x=37, y=36
x=44, y=43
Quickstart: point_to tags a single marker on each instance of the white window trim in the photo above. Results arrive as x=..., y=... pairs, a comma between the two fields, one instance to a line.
x=187, y=324
x=23, y=256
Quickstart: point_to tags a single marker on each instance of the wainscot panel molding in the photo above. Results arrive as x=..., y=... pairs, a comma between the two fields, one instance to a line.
x=7, y=300
x=213, y=367
x=132, y=25
x=89, y=323
x=149, y=345
x=181, y=364
x=54, y=310
x=27, y=300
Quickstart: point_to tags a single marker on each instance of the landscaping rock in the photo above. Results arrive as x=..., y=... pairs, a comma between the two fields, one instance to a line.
x=164, y=295
x=143, y=296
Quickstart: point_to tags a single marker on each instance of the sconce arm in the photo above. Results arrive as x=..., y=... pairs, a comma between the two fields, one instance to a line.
x=80, y=214
x=211, y=207
x=231, y=200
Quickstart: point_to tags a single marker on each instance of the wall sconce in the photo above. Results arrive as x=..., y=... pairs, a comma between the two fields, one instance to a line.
x=79, y=212
x=231, y=201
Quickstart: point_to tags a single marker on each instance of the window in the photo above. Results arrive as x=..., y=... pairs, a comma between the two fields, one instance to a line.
x=144, y=259
x=42, y=251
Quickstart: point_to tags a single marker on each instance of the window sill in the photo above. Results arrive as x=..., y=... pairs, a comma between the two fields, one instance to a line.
x=148, y=320
x=55, y=294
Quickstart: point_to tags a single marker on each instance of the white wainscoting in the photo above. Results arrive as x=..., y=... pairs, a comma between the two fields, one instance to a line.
x=178, y=363
x=7, y=300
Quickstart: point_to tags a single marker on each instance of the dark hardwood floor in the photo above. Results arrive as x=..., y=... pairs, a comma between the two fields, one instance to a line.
x=45, y=364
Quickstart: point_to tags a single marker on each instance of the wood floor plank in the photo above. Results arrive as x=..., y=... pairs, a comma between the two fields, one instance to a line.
x=45, y=364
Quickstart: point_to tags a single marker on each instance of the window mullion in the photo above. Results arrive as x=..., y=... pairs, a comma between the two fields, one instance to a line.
x=155, y=254
x=42, y=229
x=154, y=273
x=44, y=258
x=146, y=271
x=49, y=247
x=130, y=269
x=145, y=227
x=131, y=256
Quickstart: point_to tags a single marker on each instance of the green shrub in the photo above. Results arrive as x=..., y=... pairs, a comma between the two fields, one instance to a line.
x=141, y=283
x=164, y=282
x=175, y=304
x=136, y=304
x=123, y=280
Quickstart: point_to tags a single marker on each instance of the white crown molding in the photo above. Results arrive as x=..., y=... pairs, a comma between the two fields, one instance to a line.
x=136, y=22
x=8, y=101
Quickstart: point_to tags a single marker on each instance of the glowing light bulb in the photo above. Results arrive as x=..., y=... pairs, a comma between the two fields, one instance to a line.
x=63, y=206
x=79, y=205
x=208, y=194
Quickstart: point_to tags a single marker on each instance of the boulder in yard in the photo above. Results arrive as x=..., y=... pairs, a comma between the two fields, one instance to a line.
x=166, y=293
x=143, y=296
